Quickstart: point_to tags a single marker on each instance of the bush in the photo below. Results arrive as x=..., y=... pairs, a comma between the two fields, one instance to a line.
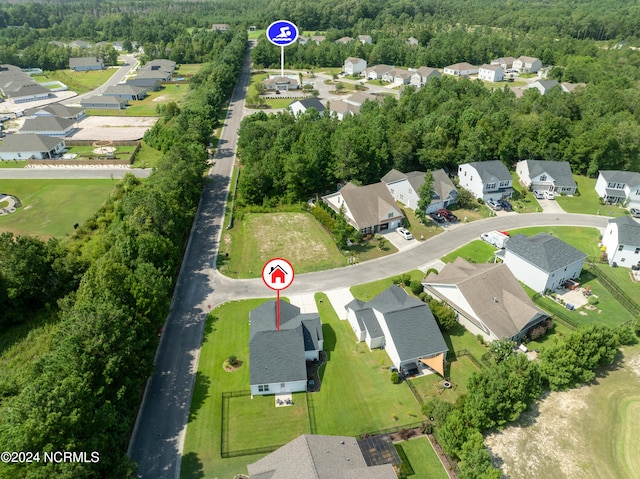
x=593, y=300
x=416, y=287
x=395, y=377
x=233, y=361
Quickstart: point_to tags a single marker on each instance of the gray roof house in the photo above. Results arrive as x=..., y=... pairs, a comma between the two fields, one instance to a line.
x=160, y=64
x=104, y=102
x=422, y=75
x=543, y=86
x=405, y=188
x=318, y=457
x=27, y=93
x=277, y=358
x=370, y=208
x=128, y=92
x=57, y=109
x=298, y=107
x=486, y=179
x=543, y=262
x=542, y=175
x=403, y=326
x=48, y=125
x=283, y=83
x=150, y=84
x=341, y=109
x=85, y=64
x=31, y=146
x=488, y=299
x=621, y=240
x=376, y=72
x=615, y=186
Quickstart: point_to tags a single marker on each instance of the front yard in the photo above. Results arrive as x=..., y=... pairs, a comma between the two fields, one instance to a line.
x=588, y=202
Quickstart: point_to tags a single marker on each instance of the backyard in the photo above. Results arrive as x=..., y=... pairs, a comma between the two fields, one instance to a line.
x=588, y=202
x=51, y=208
x=80, y=82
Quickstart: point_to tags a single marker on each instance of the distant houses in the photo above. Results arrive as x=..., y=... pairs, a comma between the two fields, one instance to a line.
x=524, y=64
x=462, y=69
x=85, y=64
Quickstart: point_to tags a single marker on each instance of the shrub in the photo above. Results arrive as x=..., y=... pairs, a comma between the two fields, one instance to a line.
x=233, y=361
x=593, y=300
x=395, y=377
x=416, y=287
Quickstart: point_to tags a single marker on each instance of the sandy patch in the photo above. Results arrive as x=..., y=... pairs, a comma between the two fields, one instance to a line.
x=633, y=363
x=160, y=98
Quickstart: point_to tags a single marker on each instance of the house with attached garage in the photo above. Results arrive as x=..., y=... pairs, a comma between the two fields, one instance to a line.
x=542, y=175
x=405, y=188
x=461, y=69
x=278, y=357
x=487, y=298
x=423, y=75
x=354, y=66
x=59, y=110
x=621, y=240
x=48, y=125
x=370, y=208
x=486, y=180
x=299, y=107
x=101, y=102
x=526, y=64
x=543, y=86
x=26, y=93
x=505, y=62
x=492, y=73
x=543, y=262
x=341, y=109
x=376, y=72
x=31, y=146
x=615, y=186
x=128, y=92
x=403, y=326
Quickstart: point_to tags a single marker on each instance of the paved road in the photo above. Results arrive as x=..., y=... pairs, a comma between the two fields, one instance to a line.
x=158, y=437
x=70, y=173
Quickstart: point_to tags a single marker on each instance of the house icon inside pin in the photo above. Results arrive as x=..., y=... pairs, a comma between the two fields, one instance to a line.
x=277, y=274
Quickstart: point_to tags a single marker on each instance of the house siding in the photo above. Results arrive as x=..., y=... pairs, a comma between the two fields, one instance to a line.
x=537, y=279
x=403, y=192
x=627, y=256
x=278, y=388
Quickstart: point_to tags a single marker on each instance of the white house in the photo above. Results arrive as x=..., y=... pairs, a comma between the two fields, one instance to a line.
x=85, y=64
x=48, y=125
x=278, y=357
x=542, y=175
x=487, y=298
x=422, y=75
x=341, y=109
x=492, y=73
x=403, y=326
x=354, y=66
x=405, y=188
x=615, y=186
x=461, y=69
x=505, y=62
x=543, y=86
x=486, y=179
x=376, y=72
x=526, y=64
x=298, y=107
x=621, y=240
x=542, y=262
x=31, y=146
x=282, y=83
x=370, y=208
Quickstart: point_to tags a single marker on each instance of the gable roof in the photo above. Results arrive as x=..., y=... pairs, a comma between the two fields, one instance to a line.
x=560, y=171
x=426, y=71
x=544, y=251
x=369, y=205
x=310, y=103
x=442, y=184
x=461, y=66
x=527, y=60
x=492, y=292
x=318, y=457
x=56, y=109
x=124, y=89
x=29, y=142
x=491, y=67
x=354, y=60
x=628, y=231
x=630, y=178
x=28, y=90
x=85, y=62
x=491, y=170
x=46, y=123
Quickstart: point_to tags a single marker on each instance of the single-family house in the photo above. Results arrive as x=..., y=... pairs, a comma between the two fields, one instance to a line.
x=486, y=179
x=365, y=39
x=341, y=109
x=492, y=73
x=543, y=86
x=282, y=83
x=615, y=186
x=220, y=27
x=303, y=40
x=422, y=75
x=621, y=240
x=461, y=69
x=319, y=457
x=160, y=64
x=359, y=97
x=28, y=93
x=79, y=44
x=80, y=64
x=31, y=146
x=487, y=298
x=278, y=357
x=150, y=84
x=57, y=109
x=48, y=126
x=542, y=262
x=298, y=107
x=405, y=188
x=402, y=77
x=128, y=92
x=151, y=74
x=526, y=64
x=542, y=175
x=104, y=102
x=376, y=72
x=318, y=39
x=505, y=62
x=344, y=40
x=403, y=326
x=354, y=66
x=370, y=208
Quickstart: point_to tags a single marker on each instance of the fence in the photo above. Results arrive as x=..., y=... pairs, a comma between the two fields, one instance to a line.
x=557, y=312
x=415, y=392
x=466, y=352
x=100, y=160
x=609, y=283
x=392, y=430
x=311, y=411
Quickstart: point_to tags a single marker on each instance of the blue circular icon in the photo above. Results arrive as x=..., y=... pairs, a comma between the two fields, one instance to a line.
x=282, y=32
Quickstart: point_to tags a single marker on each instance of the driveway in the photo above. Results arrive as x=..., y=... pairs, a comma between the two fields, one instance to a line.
x=550, y=206
x=399, y=242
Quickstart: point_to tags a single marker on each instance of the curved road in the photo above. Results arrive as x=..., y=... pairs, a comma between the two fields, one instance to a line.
x=158, y=436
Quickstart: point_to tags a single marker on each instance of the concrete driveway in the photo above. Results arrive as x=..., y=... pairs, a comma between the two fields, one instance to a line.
x=550, y=206
x=399, y=242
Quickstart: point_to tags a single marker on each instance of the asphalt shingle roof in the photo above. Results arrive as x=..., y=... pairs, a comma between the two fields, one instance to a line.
x=630, y=178
x=29, y=142
x=38, y=124
x=491, y=170
x=628, y=231
x=369, y=205
x=560, y=171
x=544, y=251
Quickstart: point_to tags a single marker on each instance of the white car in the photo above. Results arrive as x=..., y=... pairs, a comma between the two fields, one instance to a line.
x=548, y=195
x=405, y=233
x=538, y=195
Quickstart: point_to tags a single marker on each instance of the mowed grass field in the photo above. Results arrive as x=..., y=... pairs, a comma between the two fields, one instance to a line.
x=589, y=433
x=147, y=107
x=50, y=208
x=261, y=236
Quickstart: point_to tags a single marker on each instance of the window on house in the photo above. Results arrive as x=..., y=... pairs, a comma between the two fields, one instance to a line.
x=390, y=215
x=263, y=388
x=503, y=184
x=281, y=385
x=543, y=177
x=491, y=186
x=620, y=247
x=391, y=190
x=410, y=191
x=622, y=260
x=637, y=250
x=402, y=197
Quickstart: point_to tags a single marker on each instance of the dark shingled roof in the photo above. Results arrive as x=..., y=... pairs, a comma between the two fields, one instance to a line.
x=560, y=171
x=630, y=178
x=310, y=103
x=628, y=231
x=545, y=251
x=491, y=170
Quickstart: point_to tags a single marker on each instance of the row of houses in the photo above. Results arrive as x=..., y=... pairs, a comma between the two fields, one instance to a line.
x=19, y=86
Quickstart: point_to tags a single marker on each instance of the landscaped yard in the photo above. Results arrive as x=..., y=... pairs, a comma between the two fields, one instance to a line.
x=50, y=208
x=584, y=239
x=367, y=291
x=423, y=459
x=147, y=156
x=418, y=230
x=477, y=251
x=522, y=200
x=588, y=202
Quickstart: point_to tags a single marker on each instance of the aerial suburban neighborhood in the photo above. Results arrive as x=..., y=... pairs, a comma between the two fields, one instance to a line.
x=373, y=240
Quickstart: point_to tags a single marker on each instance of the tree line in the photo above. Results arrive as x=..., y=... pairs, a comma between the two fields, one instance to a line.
x=83, y=394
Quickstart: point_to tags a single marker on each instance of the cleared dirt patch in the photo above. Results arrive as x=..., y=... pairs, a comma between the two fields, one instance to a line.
x=589, y=432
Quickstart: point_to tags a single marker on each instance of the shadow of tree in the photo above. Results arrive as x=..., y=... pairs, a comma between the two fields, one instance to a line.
x=200, y=394
x=191, y=467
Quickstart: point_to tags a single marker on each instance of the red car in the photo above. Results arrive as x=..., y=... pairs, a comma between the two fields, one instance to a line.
x=448, y=215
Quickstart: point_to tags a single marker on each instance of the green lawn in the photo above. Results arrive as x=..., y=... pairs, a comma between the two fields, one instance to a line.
x=258, y=237
x=584, y=239
x=418, y=230
x=423, y=459
x=147, y=156
x=13, y=164
x=80, y=82
x=622, y=278
x=147, y=107
x=588, y=202
x=477, y=251
x=523, y=200
x=188, y=69
x=50, y=208
x=367, y=291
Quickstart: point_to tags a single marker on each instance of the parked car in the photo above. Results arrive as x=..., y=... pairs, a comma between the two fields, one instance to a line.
x=405, y=233
x=635, y=212
x=549, y=195
x=447, y=215
x=437, y=218
x=494, y=205
x=538, y=195
x=505, y=205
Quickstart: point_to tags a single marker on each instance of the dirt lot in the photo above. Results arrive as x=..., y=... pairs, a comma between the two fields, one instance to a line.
x=113, y=128
x=589, y=432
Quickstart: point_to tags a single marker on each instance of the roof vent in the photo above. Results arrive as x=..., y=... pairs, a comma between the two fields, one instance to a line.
x=495, y=300
x=341, y=442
